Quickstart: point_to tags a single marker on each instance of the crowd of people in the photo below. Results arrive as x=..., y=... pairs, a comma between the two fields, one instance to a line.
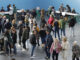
x=52, y=44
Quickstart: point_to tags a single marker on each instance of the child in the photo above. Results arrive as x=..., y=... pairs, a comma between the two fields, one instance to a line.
x=55, y=49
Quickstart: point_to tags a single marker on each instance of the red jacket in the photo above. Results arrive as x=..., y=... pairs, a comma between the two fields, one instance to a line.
x=50, y=20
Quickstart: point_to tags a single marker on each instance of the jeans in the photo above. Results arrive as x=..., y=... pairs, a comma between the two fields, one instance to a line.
x=33, y=48
x=15, y=50
x=20, y=39
x=24, y=44
x=8, y=47
x=55, y=55
x=47, y=52
x=43, y=40
x=63, y=31
x=75, y=57
x=72, y=31
x=57, y=31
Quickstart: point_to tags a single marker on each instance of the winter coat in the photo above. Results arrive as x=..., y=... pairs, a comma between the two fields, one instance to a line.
x=14, y=37
x=65, y=49
x=76, y=50
x=72, y=22
x=25, y=34
x=8, y=25
x=42, y=33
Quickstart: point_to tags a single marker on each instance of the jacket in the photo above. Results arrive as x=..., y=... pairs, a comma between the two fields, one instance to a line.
x=57, y=49
x=49, y=41
x=72, y=22
x=25, y=34
x=50, y=20
x=76, y=50
x=62, y=23
x=33, y=39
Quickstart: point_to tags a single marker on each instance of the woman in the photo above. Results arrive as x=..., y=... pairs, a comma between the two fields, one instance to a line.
x=55, y=49
x=50, y=20
x=65, y=48
x=14, y=23
x=75, y=51
x=14, y=38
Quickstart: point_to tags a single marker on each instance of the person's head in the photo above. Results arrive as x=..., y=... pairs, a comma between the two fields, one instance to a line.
x=51, y=16
x=64, y=39
x=72, y=17
x=9, y=5
x=56, y=40
x=22, y=10
x=34, y=27
x=75, y=43
x=4, y=17
x=61, y=17
x=7, y=20
x=47, y=32
x=13, y=21
x=13, y=5
x=56, y=19
x=34, y=32
x=20, y=22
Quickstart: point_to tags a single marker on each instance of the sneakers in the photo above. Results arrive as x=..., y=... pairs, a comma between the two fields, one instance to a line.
x=32, y=57
x=23, y=50
x=47, y=58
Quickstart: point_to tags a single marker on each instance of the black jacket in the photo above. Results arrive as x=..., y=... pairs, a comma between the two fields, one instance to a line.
x=42, y=33
x=25, y=34
x=33, y=39
x=72, y=22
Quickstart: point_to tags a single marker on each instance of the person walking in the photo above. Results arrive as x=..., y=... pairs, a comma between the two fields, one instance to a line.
x=55, y=49
x=33, y=43
x=65, y=48
x=48, y=44
x=75, y=51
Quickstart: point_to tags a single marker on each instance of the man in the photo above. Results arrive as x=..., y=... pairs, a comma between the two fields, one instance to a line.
x=23, y=13
x=3, y=21
x=33, y=42
x=14, y=11
x=25, y=36
x=2, y=9
x=62, y=25
x=20, y=26
x=48, y=44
